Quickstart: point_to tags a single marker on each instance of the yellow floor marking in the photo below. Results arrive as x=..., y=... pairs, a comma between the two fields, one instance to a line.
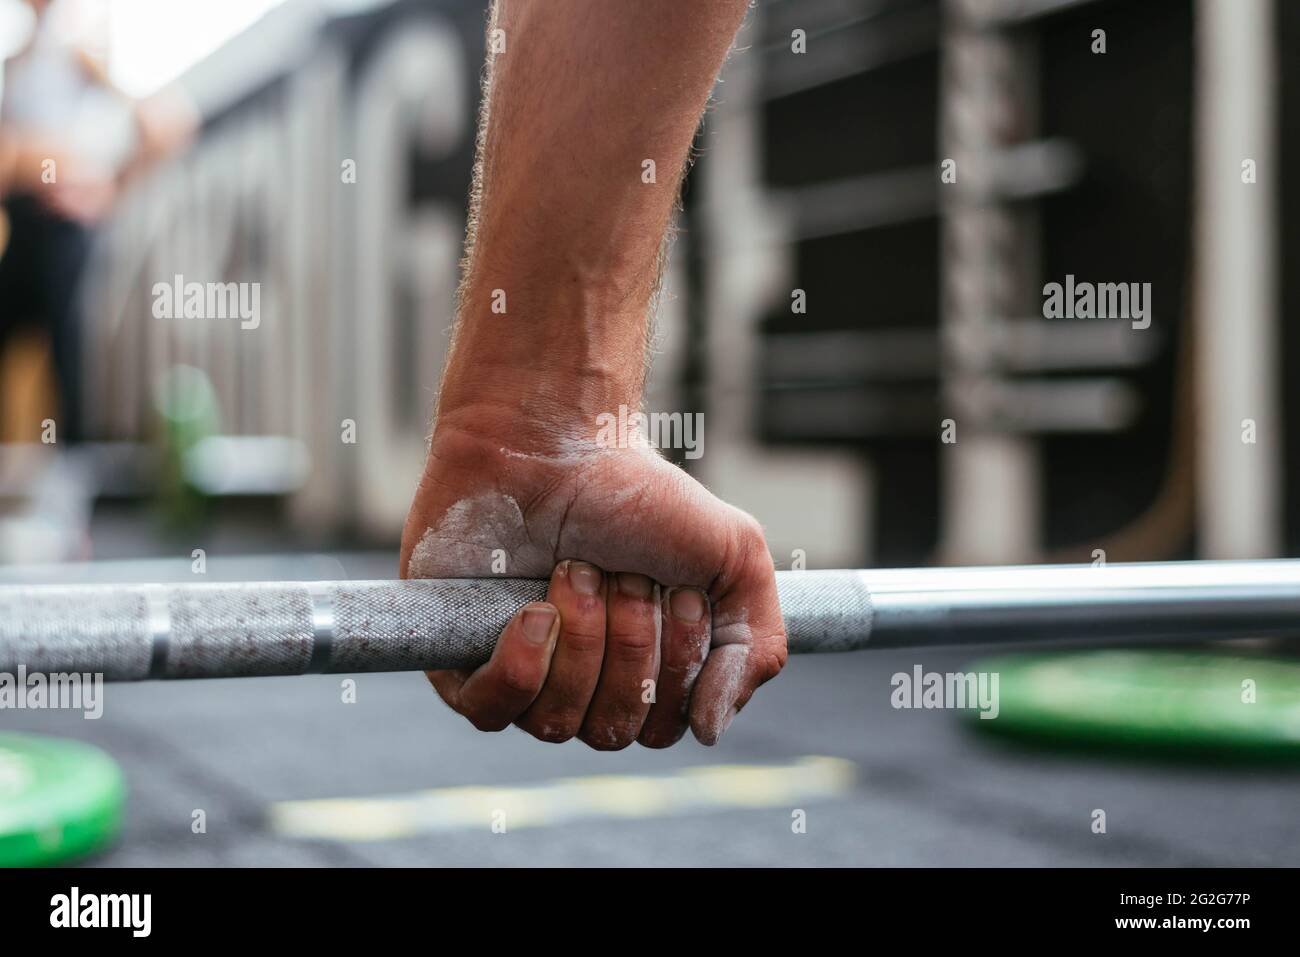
x=709, y=788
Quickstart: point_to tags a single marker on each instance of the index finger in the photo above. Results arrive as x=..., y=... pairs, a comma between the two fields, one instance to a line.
x=497, y=693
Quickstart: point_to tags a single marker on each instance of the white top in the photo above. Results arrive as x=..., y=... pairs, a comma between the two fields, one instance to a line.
x=47, y=91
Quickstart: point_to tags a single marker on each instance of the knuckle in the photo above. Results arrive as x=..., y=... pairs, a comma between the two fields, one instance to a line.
x=632, y=644
x=519, y=681
x=658, y=738
x=750, y=557
x=770, y=660
x=752, y=536
x=551, y=728
x=584, y=641
x=485, y=722
x=608, y=735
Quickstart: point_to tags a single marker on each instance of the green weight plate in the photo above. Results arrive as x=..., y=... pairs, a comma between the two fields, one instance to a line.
x=58, y=800
x=1183, y=700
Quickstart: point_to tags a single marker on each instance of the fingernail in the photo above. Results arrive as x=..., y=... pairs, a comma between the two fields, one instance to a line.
x=687, y=604
x=538, y=622
x=635, y=586
x=585, y=578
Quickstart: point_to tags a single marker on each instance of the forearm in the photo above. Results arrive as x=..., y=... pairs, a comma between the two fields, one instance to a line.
x=566, y=229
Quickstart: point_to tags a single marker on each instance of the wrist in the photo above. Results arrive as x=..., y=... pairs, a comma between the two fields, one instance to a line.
x=532, y=410
x=529, y=419
x=548, y=366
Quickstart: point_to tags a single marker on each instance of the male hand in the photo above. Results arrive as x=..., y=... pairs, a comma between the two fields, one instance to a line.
x=662, y=610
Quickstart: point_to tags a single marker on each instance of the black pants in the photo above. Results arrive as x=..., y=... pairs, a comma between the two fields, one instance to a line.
x=40, y=272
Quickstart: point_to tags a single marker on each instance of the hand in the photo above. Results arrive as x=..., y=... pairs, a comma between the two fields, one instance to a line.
x=662, y=611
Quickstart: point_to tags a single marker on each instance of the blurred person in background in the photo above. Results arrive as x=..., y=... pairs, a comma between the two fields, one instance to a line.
x=70, y=142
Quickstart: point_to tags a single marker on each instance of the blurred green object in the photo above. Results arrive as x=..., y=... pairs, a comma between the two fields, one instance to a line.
x=59, y=800
x=1203, y=702
x=188, y=409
